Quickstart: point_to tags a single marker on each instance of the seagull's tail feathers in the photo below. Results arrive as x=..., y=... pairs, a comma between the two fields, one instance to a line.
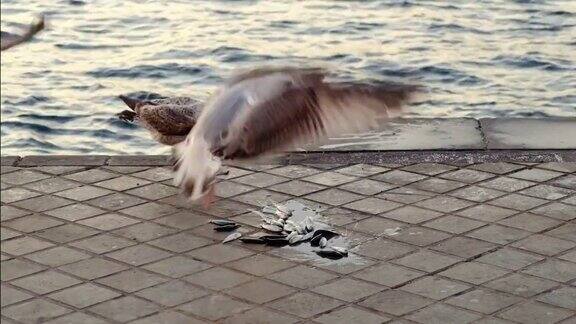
x=195, y=168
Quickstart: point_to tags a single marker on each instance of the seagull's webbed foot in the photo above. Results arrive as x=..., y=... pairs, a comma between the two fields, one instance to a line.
x=127, y=116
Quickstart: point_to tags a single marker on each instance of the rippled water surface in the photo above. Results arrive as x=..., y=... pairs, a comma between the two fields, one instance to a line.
x=478, y=58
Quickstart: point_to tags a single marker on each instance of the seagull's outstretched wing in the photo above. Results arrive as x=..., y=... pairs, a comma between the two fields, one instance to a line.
x=10, y=40
x=309, y=114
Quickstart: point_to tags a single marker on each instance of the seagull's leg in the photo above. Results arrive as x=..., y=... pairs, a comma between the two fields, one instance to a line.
x=209, y=198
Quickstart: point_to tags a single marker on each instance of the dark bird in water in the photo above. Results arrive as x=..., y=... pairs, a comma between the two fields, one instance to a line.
x=168, y=120
x=9, y=40
x=268, y=111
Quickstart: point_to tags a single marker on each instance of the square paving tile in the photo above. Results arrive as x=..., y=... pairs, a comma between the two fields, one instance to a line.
x=497, y=167
x=509, y=258
x=139, y=255
x=84, y=295
x=45, y=282
x=154, y=174
x=547, y=192
x=544, y=244
x=24, y=245
x=42, y=203
x=172, y=293
x=373, y=205
x=334, y=197
x=302, y=277
x=260, y=291
x=293, y=171
x=259, y=315
x=143, y=232
x=351, y=315
x=183, y=220
x=518, y=202
x=93, y=268
x=124, y=309
x=556, y=210
x=537, y=175
x=108, y=222
x=21, y=177
x=477, y=194
x=83, y=193
x=507, y=184
x=214, y=307
x=66, y=233
x=484, y=301
x=553, y=269
x=177, y=267
x=305, y=304
x=75, y=212
x=467, y=176
x=367, y=187
x=411, y=214
x=443, y=314
x=521, y=285
x=429, y=168
x=530, y=222
x=103, y=243
x=444, y=204
x=427, y=261
x=57, y=256
x=131, y=280
x=153, y=191
x=122, y=183
x=377, y=226
x=399, y=177
x=260, y=198
x=296, y=187
x=420, y=236
x=226, y=189
x=219, y=278
x=454, y=224
x=384, y=249
x=473, y=272
x=115, y=201
x=362, y=170
x=347, y=289
x=562, y=297
x=567, y=181
x=149, y=210
x=388, y=275
x=92, y=175
x=536, y=313
x=566, y=232
x=330, y=179
x=437, y=185
x=10, y=295
x=14, y=268
x=435, y=288
x=9, y=212
x=486, y=213
x=260, y=180
x=32, y=223
x=396, y=302
x=168, y=316
x=77, y=317
x=464, y=247
x=405, y=195
x=260, y=264
x=16, y=194
x=498, y=234
x=34, y=311
x=219, y=253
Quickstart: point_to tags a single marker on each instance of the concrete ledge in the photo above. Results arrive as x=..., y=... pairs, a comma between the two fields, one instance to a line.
x=550, y=133
x=9, y=160
x=35, y=160
x=399, y=157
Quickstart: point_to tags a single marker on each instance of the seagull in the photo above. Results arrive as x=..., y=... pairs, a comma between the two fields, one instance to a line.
x=168, y=120
x=265, y=112
x=9, y=40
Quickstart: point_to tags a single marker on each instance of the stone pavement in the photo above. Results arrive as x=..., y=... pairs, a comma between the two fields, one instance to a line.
x=84, y=242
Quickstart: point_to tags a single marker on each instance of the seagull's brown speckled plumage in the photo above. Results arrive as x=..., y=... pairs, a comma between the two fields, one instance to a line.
x=168, y=120
x=9, y=40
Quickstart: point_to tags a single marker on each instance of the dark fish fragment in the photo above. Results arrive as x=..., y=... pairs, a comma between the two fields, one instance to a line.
x=222, y=222
x=330, y=254
x=252, y=240
x=319, y=234
x=226, y=228
x=277, y=241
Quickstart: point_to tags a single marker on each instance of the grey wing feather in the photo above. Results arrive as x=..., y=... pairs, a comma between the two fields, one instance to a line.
x=10, y=40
